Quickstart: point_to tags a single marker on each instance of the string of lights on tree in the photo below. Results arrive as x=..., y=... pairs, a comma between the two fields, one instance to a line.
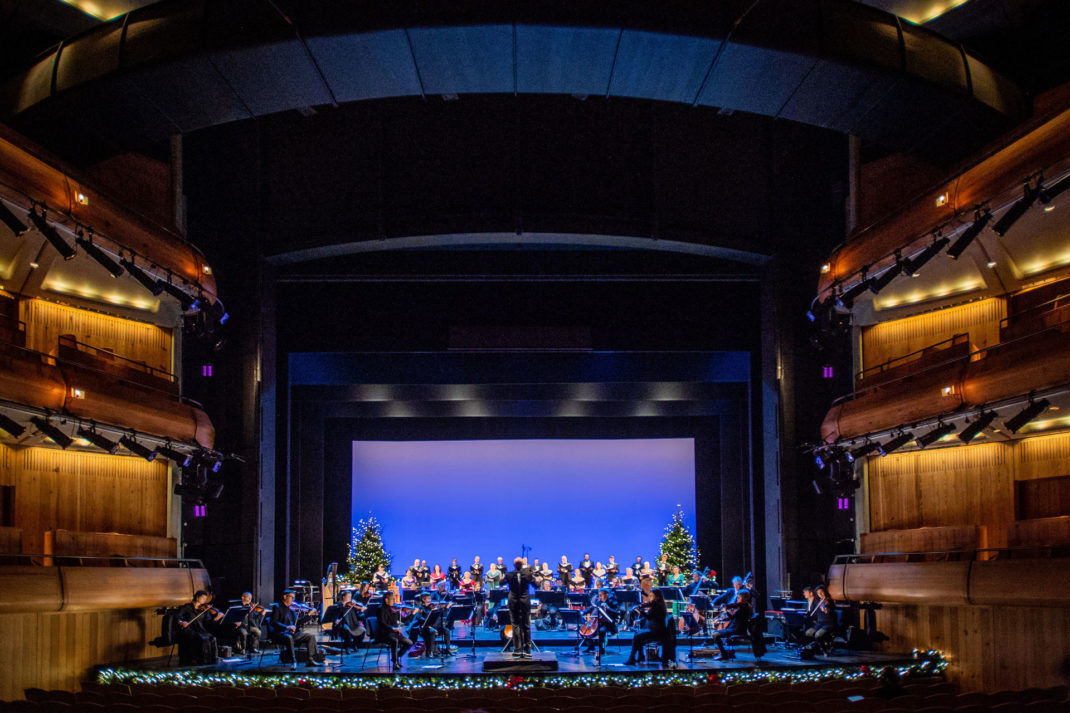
x=679, y=544
x=925, y=664
x=366, y=551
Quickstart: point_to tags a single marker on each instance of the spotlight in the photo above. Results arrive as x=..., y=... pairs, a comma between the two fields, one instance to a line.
x=217, y=312
x=864, y=450
x=97, y=254
x=876, y=284
x=179, y=294
x=1046, y=195
x=57, y=436
x=153, y=286
x=895, y=444
x=847, y=298
x=973, y=429
x=177, y=457
x=12, y=222
x=61, y=245
x=138, y=449
x=980, y=220
x=1034, y=409
x=822, y=458
x=10, y=426
x=912, y=266
x=934, y=435
x=98, y=440
x=1016, y=211
x=209, y=461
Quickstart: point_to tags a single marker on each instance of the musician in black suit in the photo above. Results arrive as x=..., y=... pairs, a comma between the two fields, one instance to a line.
x=197, y=645
x=345, y=619
x=730, y=596
x=389, y=629
x=427, y=625
x=654, y=613
x=824, y=626
x=284, y=632
x=739, y=615
x=586, y=569
x=518, y=581
x=605, y=609
x=250, y=628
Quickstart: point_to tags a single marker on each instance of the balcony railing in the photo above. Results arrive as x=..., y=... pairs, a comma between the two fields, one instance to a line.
x=73, y=351
x=47, y=560
x=948, y=350
x=1050, y=314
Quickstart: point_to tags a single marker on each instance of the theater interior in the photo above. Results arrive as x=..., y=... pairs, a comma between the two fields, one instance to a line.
x=824, y=241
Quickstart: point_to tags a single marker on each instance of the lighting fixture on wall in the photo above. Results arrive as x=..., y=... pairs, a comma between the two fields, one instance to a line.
x=179, y=294
x=913, y=265
x=130, y=444
x=974, y=428
x=876, y=284
x=153, y=286
x=12, y=222
x=177, y=457
x=41, y=223
x=98, y=440
x=10, y=426
x=97, y=254
x=1016, y=211
x=865, y=449
x=896, y=443
x=51, y=432
x=1034, y=409
x=980, y=220
x=941, y=430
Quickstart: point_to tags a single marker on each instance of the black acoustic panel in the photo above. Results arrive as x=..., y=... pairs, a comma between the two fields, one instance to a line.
x=366, y=66
x=464, y=60
x=754, y=79
x=94, y=55
x=163, y=31
x=934, y=60
x=178, y=89
x=273, y=77
x=31, y=89
x=827, y=95
x=564, y=60
x=661, y=67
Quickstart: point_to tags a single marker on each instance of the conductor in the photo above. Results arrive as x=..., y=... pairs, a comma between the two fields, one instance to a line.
x=518, y=581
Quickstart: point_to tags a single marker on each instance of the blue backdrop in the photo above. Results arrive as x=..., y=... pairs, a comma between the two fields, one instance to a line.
x=442, y=499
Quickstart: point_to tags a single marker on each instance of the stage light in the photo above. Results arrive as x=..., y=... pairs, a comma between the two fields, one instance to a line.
x=822, y=458
x=12, y=222
x=913, y=265
x=927, y=439
x=1016, y=211
x=97, y=254
x=184, y=299
x=10, y=426
x=177, y=457
x=1047, y=194
x=138, y=449
x=864, y=450
x=974, y=428
x=1034, y=409
x=847, y=298
x=153, y=286
x=876, y=284
x=98, y=440
x=895, y=444
x=980, y=220
x=46, y=428
x=61, y=245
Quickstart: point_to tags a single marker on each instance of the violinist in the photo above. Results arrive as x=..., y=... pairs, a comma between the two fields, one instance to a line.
x=730, y=596
x=646, y=596
x=381, y=578
x=365, y=594
x=453, y=573
x=476, y=571
x=284, y=632
x=654, y=613
x=564, y=572
x=345, y=619
x=604, y=612
x=824, y=618
x=389, y=630
x=250, y=628
x=427, y=625
x=692, y=621
x=196, y=644
x=738, y=614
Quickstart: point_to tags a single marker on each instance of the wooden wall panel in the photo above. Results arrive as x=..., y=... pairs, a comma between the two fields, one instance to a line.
x=971, y=485
x=107, y=544
x=57, y=651
x=7, y=465
x=1043, y=456
x=88, y=492
x=1042, y=531
x=926, y=539
x=46, y=321
x=992, y=648
x=899, y=337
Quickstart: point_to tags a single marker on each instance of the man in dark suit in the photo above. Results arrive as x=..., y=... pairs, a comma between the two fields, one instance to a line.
x=285, y=633
x=519, y=580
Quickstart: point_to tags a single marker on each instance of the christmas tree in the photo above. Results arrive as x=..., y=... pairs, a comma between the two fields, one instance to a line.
x=679, y=544
x=366, y=551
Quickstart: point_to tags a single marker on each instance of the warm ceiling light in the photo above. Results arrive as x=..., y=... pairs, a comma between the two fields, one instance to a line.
x=825, y=268
x=77, y=393
x=941, y=200
x=206, y=269
x=82, y=198
x=948, y=391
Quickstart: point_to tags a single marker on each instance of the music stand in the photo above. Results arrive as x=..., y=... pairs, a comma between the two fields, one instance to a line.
x=497, y=595
x=581, y=599
x=672, y=594
x=505, y=618
x=461, y=612
x=551, y=598
x=571, y=616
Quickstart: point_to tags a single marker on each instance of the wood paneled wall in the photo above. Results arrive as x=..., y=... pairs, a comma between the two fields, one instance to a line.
x=900, y=337
x=45, y=322
x=57, y=651
x=10, y=540
x=926, y=539
x=991, y=648
x=972, y=485
x=93, y=492
x=107, y=544
x=1041, y=531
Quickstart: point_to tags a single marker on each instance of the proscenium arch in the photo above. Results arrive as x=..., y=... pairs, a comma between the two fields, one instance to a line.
x=182, y=65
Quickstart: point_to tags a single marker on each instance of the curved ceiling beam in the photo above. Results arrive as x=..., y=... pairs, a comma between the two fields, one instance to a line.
x=178, y=66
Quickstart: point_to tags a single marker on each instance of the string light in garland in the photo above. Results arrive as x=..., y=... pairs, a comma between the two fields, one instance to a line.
x=925, y=664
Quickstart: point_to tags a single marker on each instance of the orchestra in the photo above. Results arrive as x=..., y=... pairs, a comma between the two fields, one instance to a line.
x=375, y=609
